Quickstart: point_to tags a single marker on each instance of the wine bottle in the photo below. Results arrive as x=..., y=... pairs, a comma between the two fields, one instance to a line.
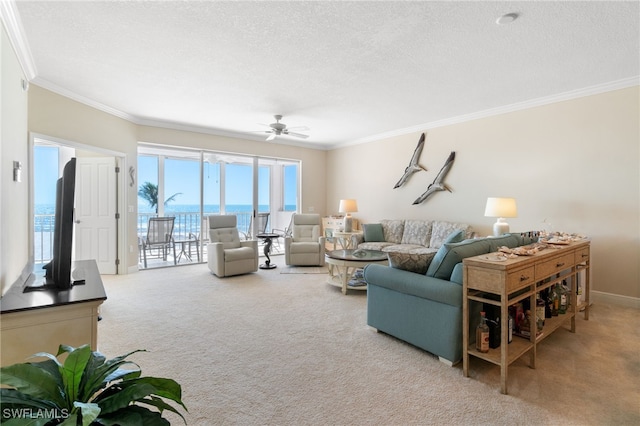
x=482, y=334
x=555, y=301
x=539, y=312
x=563, y=300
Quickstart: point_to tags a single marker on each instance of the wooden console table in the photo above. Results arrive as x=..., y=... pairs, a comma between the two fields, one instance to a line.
x=39, y=321
x=503, y=283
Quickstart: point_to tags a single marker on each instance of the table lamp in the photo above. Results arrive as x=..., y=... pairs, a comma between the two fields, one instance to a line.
x=348, y=206
x=500, y=208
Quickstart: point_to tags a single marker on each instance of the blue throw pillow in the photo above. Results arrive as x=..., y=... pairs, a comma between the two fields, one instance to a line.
x=373, y=232
x=452, y=253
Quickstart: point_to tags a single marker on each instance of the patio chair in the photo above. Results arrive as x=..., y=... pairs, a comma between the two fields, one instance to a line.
x=262, y=219
x=226, y=254
x=305, y=246
x=159, y=236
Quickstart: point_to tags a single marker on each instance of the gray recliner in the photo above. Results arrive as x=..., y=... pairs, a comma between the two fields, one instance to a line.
x=226, y=254
x=305, y=245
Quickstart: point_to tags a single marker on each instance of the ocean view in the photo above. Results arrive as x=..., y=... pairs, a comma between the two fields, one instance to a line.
x=187, y=221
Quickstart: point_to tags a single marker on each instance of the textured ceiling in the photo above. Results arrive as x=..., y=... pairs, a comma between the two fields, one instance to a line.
x=349, y=71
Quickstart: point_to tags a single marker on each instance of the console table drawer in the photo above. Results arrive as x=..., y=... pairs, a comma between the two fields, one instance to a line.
x=553, y=266
x=517, y=279
x=582, y=255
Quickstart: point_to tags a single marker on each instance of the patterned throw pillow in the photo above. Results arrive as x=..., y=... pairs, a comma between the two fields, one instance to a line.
x=441, y=230
x=413, y=262
x=393, y=230
x=417, y=232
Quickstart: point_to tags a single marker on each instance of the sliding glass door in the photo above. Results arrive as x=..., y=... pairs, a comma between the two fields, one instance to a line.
x=193, y=184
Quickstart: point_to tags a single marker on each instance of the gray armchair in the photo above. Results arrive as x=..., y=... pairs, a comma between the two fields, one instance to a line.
x=226, y=254
x=305, y=245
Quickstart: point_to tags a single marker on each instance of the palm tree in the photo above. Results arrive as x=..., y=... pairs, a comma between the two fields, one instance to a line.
x=149, y=192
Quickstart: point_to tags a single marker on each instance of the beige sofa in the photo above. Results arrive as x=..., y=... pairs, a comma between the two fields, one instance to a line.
x=415, y=236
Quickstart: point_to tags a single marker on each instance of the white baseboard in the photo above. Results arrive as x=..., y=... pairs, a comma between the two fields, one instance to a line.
x=615, y=299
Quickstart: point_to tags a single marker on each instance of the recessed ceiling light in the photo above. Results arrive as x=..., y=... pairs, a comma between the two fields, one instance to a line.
x=507, y=19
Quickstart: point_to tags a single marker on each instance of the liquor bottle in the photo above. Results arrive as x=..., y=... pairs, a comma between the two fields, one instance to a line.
x=525, y=327
x=555, y=301
x=563, y=300
x=539, y=312
x=482, y=334
x=546, y=295
x=510, y=328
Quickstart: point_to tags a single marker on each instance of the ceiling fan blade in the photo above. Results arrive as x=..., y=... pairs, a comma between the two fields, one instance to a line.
x=298, y=128
x=297, y=135
x=271, y=137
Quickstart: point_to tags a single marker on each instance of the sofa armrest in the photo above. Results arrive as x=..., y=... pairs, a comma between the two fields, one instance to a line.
x=414, y=284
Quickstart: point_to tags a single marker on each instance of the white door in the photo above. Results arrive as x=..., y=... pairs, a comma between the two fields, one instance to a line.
x=95, y=214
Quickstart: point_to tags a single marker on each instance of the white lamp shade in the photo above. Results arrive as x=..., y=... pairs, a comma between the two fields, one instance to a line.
x=348, y=206
x=501, y=207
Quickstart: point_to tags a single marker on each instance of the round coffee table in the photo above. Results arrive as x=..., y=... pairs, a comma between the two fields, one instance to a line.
x=344, y=263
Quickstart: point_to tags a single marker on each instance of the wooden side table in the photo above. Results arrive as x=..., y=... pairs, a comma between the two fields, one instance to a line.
x=499, y=282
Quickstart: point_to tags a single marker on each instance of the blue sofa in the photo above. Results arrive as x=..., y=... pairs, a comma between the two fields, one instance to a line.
x=425, y=310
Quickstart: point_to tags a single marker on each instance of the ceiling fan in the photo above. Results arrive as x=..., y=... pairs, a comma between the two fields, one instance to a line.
x=278, y=128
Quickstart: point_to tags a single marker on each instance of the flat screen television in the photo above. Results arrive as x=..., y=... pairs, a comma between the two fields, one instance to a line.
x=58, y=270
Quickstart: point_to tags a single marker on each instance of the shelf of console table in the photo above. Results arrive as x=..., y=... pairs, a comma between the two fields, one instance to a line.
x=503, y=283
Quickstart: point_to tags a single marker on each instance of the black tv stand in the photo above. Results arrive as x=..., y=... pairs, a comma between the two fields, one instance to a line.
x=48, y=284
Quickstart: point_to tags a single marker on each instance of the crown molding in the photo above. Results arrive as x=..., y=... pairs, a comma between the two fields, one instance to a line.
x=15, y=31
x=560, y=97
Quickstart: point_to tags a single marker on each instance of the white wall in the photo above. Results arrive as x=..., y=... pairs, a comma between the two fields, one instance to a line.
x=14, y=196
x=574, y=163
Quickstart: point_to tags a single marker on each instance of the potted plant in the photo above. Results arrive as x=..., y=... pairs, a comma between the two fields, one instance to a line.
x=86, y=389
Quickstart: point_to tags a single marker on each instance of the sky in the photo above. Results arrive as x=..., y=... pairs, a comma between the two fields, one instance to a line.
x=45, y=166
x=182, y=177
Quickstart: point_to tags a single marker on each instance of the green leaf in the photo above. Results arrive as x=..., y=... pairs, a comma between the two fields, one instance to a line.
x=136, y=389
x=37, y=382
x=90, y=412
x=26, y=422
x=161, y=405
x=11, y=398
x=99, y=376
x=134, y=415
x=72, y=371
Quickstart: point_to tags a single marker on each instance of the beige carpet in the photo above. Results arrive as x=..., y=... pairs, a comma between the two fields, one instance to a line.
x=304, y=269
x=289, y=349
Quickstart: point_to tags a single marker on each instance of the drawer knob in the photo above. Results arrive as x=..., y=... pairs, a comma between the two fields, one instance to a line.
x=585, y=255
x=523, y=278
x=558, y=265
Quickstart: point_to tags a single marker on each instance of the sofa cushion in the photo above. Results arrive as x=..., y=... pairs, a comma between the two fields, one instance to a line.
x=451, y=254
x=373, y=232
x=380, y=246
x=457, y=274
x=441, y=230
x=393, y=230
x=413, y=262
x=404, y=248
x=417, y=232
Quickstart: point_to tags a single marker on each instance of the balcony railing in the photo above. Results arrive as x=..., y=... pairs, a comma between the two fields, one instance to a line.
x=186, y=224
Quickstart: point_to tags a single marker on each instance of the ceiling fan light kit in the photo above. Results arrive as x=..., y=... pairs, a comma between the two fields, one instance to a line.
x=278, y=129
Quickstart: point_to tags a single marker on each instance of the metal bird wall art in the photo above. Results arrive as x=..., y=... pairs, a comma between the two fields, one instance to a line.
x=413, y=164
x=438, y=184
